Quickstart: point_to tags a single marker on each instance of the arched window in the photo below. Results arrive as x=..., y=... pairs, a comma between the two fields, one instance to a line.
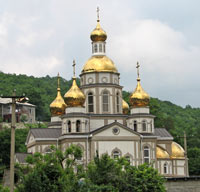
x=95, y=48
x=90, y=103
x=117, y=102
x=69, y=126
x=78, y=126
x=144, y=125
x=165, y=168
x=146, y=155
x=135, y=125
x=116, y=154
x=105, y=101
x=100, y=47
x=128, y=158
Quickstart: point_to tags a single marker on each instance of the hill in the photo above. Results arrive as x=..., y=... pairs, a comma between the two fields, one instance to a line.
x=176, y=119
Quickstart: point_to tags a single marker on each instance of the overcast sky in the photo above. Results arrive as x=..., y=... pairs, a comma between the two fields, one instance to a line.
x=42, y=37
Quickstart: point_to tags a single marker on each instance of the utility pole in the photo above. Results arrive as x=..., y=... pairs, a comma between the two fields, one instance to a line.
x=186, y=158
x=12, y=144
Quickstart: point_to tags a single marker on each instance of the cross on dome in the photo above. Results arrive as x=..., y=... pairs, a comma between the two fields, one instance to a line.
x=138, y=70
x=74, y=72
x=98, y=14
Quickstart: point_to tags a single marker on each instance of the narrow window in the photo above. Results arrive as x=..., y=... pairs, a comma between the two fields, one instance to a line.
x=117, y=102
x=135, y=125
x=69, y=126
x=144, y=125
x=104, y=48
x=78, y=126
x=100, y=47
x=95, y=48
x=151, y=126
x=90, y=103
x=165, y=168
x=105, y=101
x=146, y=155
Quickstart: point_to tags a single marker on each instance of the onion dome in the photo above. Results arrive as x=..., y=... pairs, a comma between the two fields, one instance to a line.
x=139, y=98
x=177, y=151
x=98, y=34
x=125, y=107
x=161, y=153
x=99, y=64
x=74, y=97
x=57, y=107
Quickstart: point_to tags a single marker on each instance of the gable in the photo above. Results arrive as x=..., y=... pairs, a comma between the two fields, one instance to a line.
x=30, y=138
x=116, y=131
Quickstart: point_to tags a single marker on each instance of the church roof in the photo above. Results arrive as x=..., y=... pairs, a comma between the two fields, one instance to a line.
x=163, y=133
x=51, y=133
x=21, y=157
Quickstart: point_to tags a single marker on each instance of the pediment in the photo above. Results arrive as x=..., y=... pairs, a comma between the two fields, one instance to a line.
x=30, y=138
x=115, y=130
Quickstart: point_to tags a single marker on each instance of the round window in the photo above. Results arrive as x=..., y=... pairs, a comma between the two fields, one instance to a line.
x=90, y=80
x=115, y=130
x=104, y=79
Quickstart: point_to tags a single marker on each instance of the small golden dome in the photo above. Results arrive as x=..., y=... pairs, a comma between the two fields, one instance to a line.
x=74, y=97
x=125, y=107
x=177, y=151
x=98, y=34
x=57, y=107
x=161, y=153
x=139, y=98
x=99, y=64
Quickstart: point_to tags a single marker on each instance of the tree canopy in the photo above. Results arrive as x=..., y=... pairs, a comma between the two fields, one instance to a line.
x=63, y=171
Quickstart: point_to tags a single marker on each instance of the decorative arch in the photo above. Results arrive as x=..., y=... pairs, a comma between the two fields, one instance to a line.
x=129, y=157
x=116, y=153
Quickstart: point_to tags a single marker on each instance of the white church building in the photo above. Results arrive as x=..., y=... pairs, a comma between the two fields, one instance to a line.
x=95, y=117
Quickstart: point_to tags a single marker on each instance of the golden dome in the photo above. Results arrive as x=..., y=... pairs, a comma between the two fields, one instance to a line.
x=139, y=98
x=74, y=97
x=99, y=64
x=57, y=107
x=98, y=34
x=177, y=151
x=161, y=153
x=125, y=107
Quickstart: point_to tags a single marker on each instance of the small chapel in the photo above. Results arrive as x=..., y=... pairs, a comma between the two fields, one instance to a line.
x=95, y=117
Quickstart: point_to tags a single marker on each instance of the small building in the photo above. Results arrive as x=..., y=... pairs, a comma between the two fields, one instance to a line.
x=21, y=109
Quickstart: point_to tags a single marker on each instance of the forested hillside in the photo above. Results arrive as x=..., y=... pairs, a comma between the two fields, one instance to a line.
x=42, y=91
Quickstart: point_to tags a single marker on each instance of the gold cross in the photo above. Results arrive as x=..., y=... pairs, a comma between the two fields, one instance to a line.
x=98, y=14
x=138, y=72
x=58, y=81
x=74, y=64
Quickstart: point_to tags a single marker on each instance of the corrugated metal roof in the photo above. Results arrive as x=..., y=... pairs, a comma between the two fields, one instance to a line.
x=162, y=132
x=21, y=157
x=46, y=132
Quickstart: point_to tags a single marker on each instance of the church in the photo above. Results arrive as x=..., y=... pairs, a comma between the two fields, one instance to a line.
x=95, y=117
